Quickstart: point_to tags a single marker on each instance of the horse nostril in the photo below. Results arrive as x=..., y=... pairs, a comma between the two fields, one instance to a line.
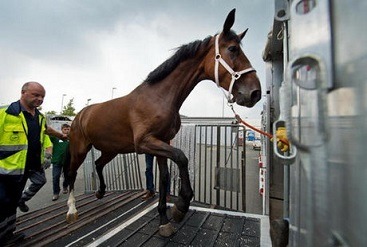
x=255, y=96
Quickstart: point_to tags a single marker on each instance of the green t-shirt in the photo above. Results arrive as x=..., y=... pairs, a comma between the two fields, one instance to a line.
x=58, y=150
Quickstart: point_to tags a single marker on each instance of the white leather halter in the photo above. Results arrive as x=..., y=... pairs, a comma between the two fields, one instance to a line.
x=235, y=75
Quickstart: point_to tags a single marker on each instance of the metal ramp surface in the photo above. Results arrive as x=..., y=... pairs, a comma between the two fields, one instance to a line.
x=122, y=219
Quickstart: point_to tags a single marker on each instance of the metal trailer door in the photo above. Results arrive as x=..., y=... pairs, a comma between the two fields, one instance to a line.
x=326, y=81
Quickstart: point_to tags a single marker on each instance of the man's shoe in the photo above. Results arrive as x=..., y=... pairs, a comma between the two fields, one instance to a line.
x=65, y=191
x=148, y=195
x=55, y=197
x=11, y=239
x=23, y=207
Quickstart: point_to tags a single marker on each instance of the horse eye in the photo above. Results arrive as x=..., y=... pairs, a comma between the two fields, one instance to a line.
x=233, y=49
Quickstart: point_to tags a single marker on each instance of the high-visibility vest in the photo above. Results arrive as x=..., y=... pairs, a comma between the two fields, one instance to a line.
x=14, y=142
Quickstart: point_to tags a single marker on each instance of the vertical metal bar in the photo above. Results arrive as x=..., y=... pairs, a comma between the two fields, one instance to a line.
x=114, y=174
x=239, y=148
x=244, y=172
x=286, y=191
x=133, y=170
x=205, y=163
x=138, y=170
x=124, y=180
x=199, y=166
x=126, y=173
x=231, y=174
x=225, y=167
x=119, y=159
x=218, y=166
x=130, y=171
x=195, y=159
x=211, y=165
x=133, y=160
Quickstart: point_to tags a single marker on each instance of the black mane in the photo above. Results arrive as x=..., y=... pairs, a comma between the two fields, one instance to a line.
x=183, y=53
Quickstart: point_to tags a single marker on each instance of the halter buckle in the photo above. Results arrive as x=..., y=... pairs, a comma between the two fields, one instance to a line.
x=236, y=75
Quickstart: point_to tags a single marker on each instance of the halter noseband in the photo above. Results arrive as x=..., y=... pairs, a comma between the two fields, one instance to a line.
x=235, y=75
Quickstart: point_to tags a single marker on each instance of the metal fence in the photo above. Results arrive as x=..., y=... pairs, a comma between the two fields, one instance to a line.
x=122, y=173
x=216, y=164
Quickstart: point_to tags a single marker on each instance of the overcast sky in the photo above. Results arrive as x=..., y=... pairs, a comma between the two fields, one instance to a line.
x=85, y=48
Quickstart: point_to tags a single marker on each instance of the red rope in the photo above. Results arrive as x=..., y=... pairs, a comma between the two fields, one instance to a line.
x=258, y=130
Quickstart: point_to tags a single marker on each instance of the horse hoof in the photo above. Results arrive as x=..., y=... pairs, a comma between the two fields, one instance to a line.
x=71, y=218
x=99, y=194
x=177, y=215
x=166, y=230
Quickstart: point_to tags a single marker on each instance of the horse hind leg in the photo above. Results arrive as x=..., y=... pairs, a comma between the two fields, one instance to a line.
x=100, y=164
x=71, y=172
x=165, y=228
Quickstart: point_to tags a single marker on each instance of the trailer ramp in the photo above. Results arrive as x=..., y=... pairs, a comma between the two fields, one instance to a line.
x=123, y=219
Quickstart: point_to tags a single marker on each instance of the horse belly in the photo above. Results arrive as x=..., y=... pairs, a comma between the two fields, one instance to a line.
x=114, y=144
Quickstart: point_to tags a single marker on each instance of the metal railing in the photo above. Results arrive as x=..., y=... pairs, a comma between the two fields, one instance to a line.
x=216, y=166
x=122, y=173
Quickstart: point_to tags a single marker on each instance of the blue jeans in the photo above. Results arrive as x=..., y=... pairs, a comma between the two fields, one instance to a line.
x=56, y=173
x=149, y=174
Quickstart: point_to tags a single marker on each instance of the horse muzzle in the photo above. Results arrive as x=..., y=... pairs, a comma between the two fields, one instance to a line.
x=248, y=99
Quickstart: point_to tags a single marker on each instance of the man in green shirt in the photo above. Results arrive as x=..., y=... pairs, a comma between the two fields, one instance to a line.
x=58, y=158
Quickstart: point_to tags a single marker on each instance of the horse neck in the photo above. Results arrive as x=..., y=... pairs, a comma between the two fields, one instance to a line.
x=180, y=83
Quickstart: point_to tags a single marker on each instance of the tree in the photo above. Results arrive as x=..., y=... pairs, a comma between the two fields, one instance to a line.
x=69, y=108
x=52, y=112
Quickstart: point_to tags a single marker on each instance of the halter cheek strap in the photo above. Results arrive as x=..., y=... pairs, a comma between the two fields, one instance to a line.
x=235, y=75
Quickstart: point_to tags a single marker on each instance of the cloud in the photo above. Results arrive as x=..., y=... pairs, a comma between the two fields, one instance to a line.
x=85, y=48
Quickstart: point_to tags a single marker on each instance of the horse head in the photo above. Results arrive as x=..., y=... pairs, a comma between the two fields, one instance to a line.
x=232, y=70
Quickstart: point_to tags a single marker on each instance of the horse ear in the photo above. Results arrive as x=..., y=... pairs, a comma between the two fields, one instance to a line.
x=229, y=21
x=243, y=34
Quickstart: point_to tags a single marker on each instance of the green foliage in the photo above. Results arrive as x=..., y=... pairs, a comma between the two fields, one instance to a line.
x=69, y=109
x=52, y=112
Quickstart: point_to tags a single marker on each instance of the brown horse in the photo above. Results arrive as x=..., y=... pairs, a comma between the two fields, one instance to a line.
x=145, y=120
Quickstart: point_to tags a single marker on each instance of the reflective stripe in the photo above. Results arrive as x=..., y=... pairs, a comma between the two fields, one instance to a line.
x=16, y=172
x=10, y=148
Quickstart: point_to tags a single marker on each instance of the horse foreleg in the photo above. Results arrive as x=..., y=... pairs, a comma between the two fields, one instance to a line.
x=102, y=185
x=182, y=204
x=165, y=227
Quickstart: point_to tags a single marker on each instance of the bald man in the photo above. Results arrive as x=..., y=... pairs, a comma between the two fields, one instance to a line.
x=24, y=147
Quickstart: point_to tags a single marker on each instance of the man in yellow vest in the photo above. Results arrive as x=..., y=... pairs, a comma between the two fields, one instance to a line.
x=23, y=145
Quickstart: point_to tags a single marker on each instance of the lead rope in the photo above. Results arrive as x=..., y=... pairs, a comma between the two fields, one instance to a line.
x=270, y=136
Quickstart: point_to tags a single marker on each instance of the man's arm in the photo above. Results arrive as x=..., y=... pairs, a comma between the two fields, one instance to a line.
x=52, y=132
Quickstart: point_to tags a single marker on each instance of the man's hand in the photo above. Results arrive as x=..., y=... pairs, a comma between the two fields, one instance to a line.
x=47, y=162
x=282, y=140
